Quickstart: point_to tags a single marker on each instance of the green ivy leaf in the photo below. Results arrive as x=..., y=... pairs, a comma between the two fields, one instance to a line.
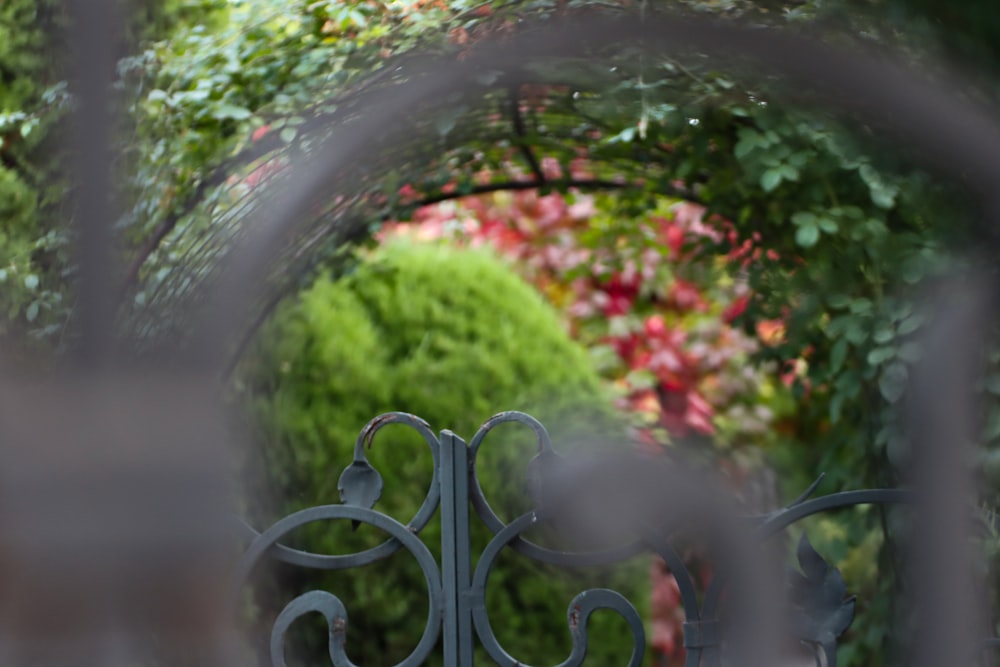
x=625, y=136
x=223, y=111
x=836, y=405
x=827, y=225
x=749, y=140
x=857, y=332
x=770, y=179
x=883, y=335
x=31, y=281
x=838, y=354
x=910, y=324
x=788, y=172
x=892, y=382
x=861, y=306
x=807, y=235
x=803, y=218
x=880, y=355
x=883, y=197
x=838, y=301
x=883, y=194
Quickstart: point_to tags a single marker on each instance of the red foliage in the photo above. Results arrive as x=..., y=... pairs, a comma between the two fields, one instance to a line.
x=668, y=616
x=541, y=233
x=735, y=309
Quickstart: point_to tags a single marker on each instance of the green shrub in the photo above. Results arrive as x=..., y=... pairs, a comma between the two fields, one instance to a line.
x=31, y=222
x=453, y=336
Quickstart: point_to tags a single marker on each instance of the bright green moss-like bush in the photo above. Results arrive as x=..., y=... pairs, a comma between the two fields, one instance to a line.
x=453, y=336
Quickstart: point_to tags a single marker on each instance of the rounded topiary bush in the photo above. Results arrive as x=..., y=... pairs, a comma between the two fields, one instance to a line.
x=453, y=336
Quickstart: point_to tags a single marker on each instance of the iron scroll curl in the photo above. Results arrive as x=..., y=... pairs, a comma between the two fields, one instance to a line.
x=580, y=609
x=360, y=486
x=328, y=604
x=545, y=460
x=349, y=483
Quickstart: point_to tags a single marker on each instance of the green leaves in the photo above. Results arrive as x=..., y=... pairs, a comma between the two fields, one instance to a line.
x=770, y=179
x=882, y=191
x=809, y=225
x=880, y=335
x=223, y=111
x=807, y=235
x=892, y=382
x=774, y=176
x=838, y=354
x=749, y=140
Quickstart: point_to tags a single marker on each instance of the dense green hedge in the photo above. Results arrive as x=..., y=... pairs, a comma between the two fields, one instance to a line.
x=453, y=336
x=35, y=205
x=30, y=103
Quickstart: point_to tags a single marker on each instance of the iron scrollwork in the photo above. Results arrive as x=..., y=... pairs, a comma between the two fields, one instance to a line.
x=360, y=487
x=819, y=608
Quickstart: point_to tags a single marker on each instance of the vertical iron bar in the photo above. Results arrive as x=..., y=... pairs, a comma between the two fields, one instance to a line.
x=943, y=427
x=463, y=551
x=93, y=34
x=449, y=550
x=456, y=566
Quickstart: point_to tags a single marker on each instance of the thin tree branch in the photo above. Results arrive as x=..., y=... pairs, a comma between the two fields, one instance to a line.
x=519, y=129
x=561, y=184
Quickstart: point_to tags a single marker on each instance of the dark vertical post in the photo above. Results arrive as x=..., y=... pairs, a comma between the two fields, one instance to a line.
x=943, y=428
x=94, y=30
x=449, y=550
x=463, y=551
x=456, y=566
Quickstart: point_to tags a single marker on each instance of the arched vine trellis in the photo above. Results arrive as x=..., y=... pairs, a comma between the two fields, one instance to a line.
x=279, y=231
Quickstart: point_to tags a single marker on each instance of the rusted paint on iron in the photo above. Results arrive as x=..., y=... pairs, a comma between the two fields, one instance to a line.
x=574, y=617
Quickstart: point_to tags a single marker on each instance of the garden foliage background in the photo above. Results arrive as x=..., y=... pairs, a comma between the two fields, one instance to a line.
x=740, y=274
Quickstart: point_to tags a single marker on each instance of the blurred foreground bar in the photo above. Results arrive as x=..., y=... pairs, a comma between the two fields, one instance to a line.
x=113, y=490
x=944, y=425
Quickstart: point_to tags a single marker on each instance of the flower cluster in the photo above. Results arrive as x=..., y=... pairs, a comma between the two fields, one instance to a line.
x=679, y=359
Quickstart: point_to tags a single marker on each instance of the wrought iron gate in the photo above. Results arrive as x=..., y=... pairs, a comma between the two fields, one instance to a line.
x=457, y=612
